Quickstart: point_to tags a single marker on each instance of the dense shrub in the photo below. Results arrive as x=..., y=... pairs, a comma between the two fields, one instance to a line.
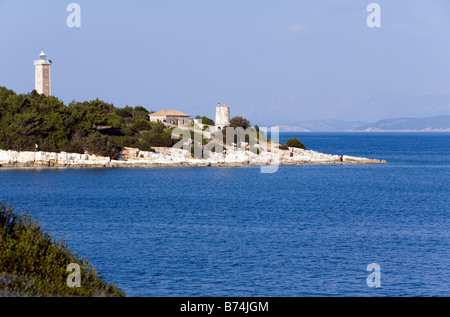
x=240, y=122
x=140, y=109
x=125, y=112
x=141, y=112
x=141, y=124
x=34, y=264
x=94, y=126
x=102, y=145
x=125, y=141
x=294, y=142
x=152, y=139
x=205, y=120
x=157, y=127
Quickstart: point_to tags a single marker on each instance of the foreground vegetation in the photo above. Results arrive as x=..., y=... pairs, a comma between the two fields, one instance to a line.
x=34, y=264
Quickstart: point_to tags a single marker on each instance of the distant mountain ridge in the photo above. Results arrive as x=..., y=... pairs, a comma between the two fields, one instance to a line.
x=435, y=123
x=328, y=125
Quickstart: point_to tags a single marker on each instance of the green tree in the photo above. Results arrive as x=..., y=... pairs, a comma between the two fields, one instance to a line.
x=141, y=124
x=239, y=121
x=140, y=109
x=155, y=139
x=294, y=142
x=101, y=145
x=140, y=112
x=124, y=112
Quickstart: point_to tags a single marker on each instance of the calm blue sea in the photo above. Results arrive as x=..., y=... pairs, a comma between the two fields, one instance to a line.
x=232, y=231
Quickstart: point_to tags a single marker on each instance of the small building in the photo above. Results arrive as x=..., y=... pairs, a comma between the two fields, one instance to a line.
x=171, y=117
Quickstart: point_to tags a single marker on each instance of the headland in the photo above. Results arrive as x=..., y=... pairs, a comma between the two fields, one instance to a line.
x=171, y=157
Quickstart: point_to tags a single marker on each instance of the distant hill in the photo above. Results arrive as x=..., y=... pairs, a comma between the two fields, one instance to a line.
x=436, y=123
x=328, y=125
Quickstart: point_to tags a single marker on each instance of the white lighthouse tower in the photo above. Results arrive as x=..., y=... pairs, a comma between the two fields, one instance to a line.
x=42, y=75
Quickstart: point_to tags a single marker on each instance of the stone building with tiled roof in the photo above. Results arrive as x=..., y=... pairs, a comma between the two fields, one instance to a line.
x=171, y=117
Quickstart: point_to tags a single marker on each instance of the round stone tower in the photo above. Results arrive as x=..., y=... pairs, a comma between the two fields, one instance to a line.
x=222, y=116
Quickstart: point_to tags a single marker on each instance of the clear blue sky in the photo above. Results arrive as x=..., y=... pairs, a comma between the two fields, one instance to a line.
x=274, y=62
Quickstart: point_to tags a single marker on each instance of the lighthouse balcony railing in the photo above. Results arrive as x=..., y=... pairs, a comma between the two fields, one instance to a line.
x=42, y=62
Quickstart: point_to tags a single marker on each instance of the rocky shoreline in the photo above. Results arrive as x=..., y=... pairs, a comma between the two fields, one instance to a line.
x=170, y=157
